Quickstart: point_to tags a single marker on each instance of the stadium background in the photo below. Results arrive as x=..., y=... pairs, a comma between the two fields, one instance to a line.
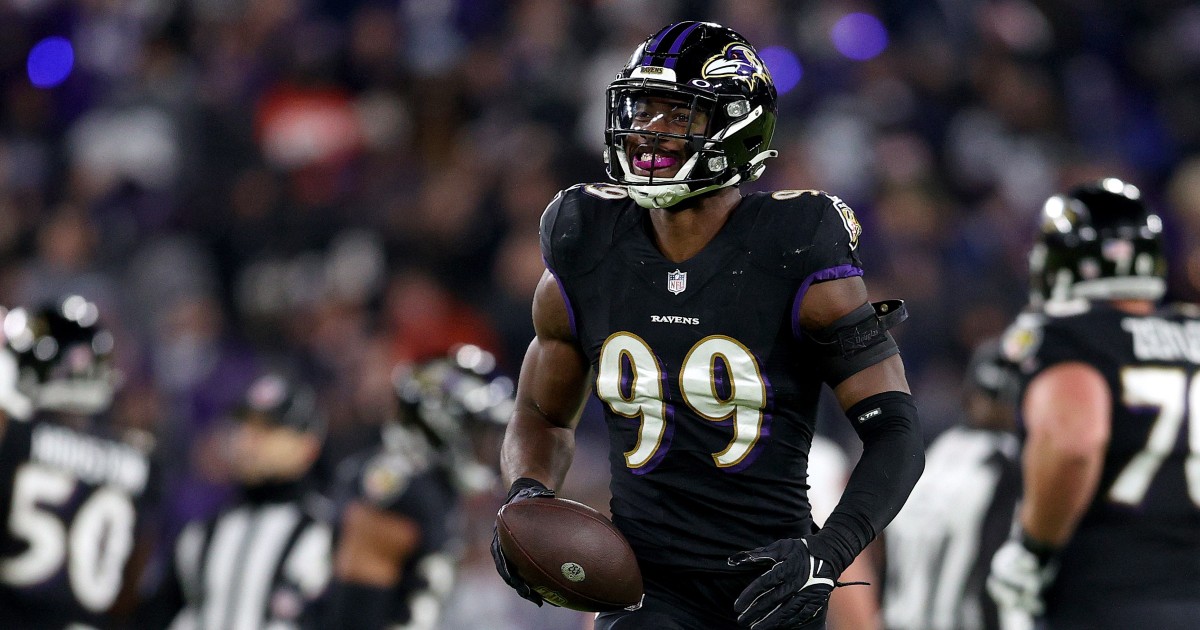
x=344, y=185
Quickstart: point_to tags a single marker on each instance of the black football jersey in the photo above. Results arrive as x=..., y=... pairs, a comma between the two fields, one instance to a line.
x=1140, y=537
x=412, y=483
x=709, y=387
x=72, y=504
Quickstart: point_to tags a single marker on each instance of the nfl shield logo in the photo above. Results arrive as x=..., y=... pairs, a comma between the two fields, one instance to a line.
x=676, y=281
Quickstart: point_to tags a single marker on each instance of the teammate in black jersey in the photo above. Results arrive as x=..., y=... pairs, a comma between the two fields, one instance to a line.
x=73, y=490
x=401, y=527
x=940, y=546
x=709, y=322
x=1109, y=528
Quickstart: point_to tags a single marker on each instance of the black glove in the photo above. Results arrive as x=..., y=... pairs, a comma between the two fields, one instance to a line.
x=791, y=593
x=523, y=488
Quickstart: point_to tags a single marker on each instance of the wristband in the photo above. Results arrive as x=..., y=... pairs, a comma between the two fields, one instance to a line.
x=523, y=483
x=1044, y=551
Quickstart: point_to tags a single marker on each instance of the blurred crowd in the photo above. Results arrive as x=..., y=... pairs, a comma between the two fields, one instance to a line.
x=343, y=185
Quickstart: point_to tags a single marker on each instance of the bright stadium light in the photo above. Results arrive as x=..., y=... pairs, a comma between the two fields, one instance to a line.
x=784, y=66
x=859, y=36
x=50, y=62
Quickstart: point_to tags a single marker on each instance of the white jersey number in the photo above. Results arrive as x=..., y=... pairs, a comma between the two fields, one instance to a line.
x=94, y=547
x=630, y=380
x=1176, y=396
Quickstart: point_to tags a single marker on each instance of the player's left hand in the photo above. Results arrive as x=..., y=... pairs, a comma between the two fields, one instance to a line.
x=792, y=592
x=521, y=490
x=1019, y=574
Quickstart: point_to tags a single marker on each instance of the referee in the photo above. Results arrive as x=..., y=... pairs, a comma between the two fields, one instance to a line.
x=264, y=562
x=938, y=549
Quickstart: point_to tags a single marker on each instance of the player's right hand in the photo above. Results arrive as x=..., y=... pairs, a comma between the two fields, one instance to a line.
x=1021, y=570
x=523, y=488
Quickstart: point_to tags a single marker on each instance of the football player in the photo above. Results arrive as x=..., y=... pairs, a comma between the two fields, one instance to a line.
x=1108, y=532
x=709, y=322
x=401, y=525
x=73, y=489
x=940, y=546
x=264, y=561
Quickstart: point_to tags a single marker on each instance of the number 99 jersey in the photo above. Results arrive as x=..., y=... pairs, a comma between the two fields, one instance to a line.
x=1140, y=537
x=709, y=388
x=70, y=502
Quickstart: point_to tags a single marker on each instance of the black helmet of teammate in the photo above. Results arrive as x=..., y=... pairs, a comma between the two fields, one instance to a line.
x=278, y=400
x=452, y=401
x=991, y=374
x=1098, y=241
x=713, y=70
x=59, y=359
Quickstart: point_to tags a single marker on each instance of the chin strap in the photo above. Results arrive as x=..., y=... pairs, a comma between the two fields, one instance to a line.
x=667, y=195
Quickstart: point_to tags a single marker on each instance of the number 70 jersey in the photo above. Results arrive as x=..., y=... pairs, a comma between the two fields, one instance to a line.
x=70, y=502
x=1143, y=525
x=708, y=385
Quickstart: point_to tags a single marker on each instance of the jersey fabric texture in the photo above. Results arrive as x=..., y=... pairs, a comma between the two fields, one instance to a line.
x=939, y=548
x=414, y=484
x=710, y=392
x=1138, y=544
x=72, y=503
x=259, y=564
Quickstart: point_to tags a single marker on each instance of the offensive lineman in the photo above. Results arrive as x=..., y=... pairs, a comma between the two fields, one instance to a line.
x=1108, y=534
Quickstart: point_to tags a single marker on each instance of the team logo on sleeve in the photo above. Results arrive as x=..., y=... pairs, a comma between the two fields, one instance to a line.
x=853, y=227
x=737, y=61
x=676, y=281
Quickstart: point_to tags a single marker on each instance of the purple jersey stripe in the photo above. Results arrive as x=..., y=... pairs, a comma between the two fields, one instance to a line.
x=832, y=273
x=566, y=300
x=675, y=47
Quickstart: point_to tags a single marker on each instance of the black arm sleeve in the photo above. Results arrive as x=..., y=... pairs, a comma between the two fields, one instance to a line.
x=892, y=460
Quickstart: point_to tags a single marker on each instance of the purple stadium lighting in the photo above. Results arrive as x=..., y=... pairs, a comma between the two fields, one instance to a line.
x=859, y=36
x=50, y=62
x=784, y=67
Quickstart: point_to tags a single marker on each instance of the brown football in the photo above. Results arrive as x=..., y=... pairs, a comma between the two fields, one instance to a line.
x=570, y=554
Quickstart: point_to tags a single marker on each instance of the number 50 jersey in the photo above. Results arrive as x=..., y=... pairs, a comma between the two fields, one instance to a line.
x=69, y=500
x=707, y=383
x=1140, y=537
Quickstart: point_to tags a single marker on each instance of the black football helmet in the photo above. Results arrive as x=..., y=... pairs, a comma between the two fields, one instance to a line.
x=991, y=374
x=452, y=402
x=1098, y=241
x=57, y=358
x=712, y=73
x=278, y=400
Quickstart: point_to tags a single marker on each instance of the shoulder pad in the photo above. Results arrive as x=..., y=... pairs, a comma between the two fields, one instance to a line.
x=1181, y=309
x=385, y=477
x=1021, y=341
x=580, y=224
x=799, y=232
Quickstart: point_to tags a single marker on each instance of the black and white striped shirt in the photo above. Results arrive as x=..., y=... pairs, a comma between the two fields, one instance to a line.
x=940, y=545
x=255, y=566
